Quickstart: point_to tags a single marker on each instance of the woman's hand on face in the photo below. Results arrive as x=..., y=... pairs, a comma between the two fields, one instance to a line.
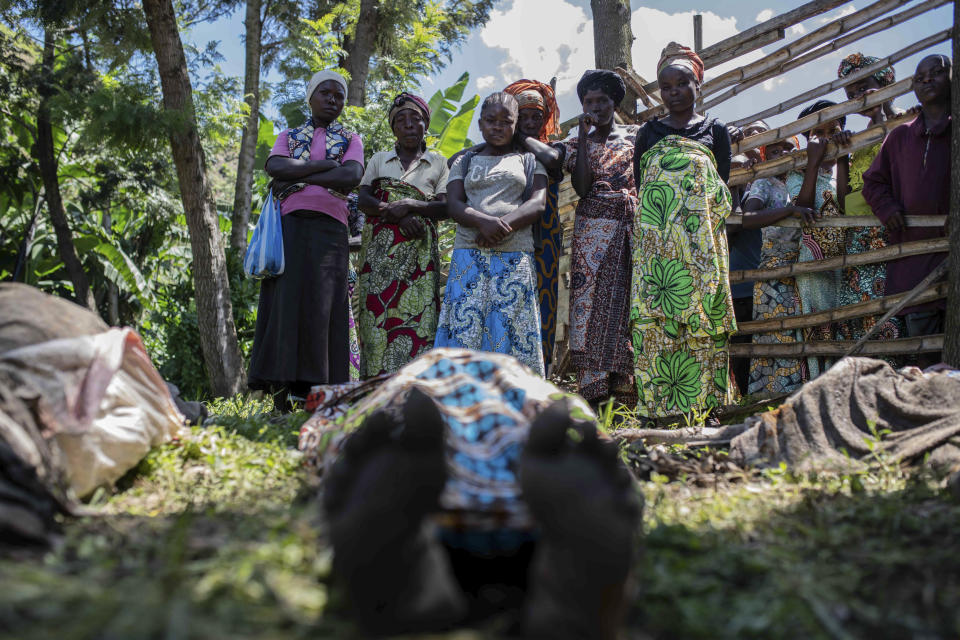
x=492, y=231
x=411, y=227
x=584, y=122
x=805, y=214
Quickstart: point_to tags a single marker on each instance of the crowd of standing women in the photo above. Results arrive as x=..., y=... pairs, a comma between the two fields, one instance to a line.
x=652, y=310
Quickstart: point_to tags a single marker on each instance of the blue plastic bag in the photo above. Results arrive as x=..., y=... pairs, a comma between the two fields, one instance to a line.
x=264, y=258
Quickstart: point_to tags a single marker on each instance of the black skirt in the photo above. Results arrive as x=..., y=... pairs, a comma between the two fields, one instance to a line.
x=302, y=334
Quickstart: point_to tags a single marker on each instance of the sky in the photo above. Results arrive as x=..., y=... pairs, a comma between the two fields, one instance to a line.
x=540, y=39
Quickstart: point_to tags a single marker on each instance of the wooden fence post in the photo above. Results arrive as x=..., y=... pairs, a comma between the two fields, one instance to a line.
x=698, y=33
x=951, y=346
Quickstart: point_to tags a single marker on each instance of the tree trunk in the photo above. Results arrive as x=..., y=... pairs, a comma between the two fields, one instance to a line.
x=951, y=345
x=49, y=169
x=243, y=192
x=359, y=52
x=218, y=334
x=613, y=40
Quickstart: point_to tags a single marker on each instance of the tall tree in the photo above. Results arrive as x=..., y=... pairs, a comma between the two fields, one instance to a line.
x=47, y=160
x=218, y=336
x=377, y=33
x=360, y=48
x=951, y=347
x=613, y=40
x=243, y=194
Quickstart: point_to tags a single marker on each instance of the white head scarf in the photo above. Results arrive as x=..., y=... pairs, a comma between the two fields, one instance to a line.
x=323, y=76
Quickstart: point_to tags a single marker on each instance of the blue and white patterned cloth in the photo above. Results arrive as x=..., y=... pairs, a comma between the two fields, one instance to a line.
x=487, y=402
x=491, y=304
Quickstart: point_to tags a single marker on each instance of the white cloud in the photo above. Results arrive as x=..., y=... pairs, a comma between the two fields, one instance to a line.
x=486, y=82
x=797, y=30
x=651, y=28
x=773, y=83
x=846, y=11
x=764, y=15
x=566, y=49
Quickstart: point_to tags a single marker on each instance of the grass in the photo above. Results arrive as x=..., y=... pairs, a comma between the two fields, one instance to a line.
x=219, y=536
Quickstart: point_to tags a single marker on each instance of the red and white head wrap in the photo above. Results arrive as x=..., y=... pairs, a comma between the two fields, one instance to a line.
x=406, y=100
x=531, y=94
x=675, y=54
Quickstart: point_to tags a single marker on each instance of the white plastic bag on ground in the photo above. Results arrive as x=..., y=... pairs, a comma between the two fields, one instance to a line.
x=101, y=400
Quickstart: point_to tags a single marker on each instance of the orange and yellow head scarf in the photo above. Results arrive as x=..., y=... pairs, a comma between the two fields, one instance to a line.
x=531, y=94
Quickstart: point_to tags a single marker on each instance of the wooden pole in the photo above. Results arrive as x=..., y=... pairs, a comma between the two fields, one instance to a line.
x=779, y=57
x=893, y=303
x=873, y=256
x=839, y=83
x=757, y=35
x=848, y=221
x=795, y=160
x=912, y=295
x=951, y=347
x=697, y=32
x=837, y=348
x=836, y=45
x=797, y=127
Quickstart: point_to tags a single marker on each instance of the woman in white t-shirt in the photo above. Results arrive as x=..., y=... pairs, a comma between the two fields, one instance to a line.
x=495, y=194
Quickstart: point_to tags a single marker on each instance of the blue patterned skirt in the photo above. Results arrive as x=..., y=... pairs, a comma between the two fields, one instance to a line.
x=491, y=304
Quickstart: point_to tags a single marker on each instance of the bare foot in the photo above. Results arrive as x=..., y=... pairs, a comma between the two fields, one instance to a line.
x=587, y=506
x=377, y=496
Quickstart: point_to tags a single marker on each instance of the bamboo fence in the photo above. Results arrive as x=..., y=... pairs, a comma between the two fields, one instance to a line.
x=834, y=36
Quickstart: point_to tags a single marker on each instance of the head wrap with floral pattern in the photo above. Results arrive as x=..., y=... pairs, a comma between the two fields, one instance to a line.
x=857, y=61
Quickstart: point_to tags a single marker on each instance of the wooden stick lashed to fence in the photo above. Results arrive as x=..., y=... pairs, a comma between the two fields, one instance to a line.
x=847, y=312
x=837, y=348
x=790, y=51
x=839, y=83
x=807, y=123
x=850, y=221
x=801, y=45
x=635, y=83
x=892, y=252
x=837, y=44
x=797, y=160
x=911, y=296
x=717, y=54
x=760, y=41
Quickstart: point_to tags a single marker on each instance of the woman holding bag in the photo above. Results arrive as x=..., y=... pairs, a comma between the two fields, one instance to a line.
x=301, y=336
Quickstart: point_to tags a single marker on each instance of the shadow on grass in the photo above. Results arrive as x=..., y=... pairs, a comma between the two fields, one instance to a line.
x=801, y=561
x=195, y=575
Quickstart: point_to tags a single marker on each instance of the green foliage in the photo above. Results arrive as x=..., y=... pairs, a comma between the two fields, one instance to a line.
x=449, y=122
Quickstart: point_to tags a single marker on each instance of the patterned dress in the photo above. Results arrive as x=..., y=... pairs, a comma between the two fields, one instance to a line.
x=491, y=302
x=398, y=286
x=600, y=347
x=487, y=401
x=818, y=291
x=352, y=326
x=775, y=298
x=548, y=253
x=865, y=282
x=682, y=312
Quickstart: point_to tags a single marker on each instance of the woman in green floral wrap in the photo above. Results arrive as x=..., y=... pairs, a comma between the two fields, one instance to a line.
x=403, y=193
x=682, y=312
